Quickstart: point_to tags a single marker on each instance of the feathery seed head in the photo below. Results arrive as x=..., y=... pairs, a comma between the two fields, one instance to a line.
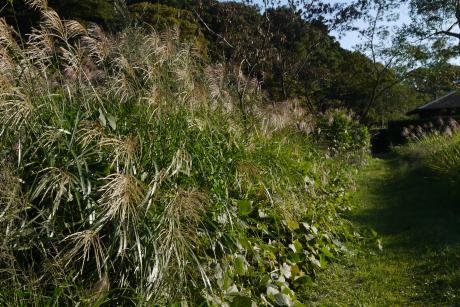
x=87, y=245
x=122, y=198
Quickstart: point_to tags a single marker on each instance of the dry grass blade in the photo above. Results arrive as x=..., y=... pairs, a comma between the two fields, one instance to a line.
x=122, y=198
x=53, y=23
x=124, y=83
x=74, y=29
x=97, y=44
x=41, y=49
x=124, y=150
x=89, y=132
x=16, y=110
x=8, y=68
x=181, y=163
x=87, y=245
x=12, y=200
x=176, y=243
x=50, y=137
x=41, y=5
x=57, y=184
x=188, y=207
x=6, y=37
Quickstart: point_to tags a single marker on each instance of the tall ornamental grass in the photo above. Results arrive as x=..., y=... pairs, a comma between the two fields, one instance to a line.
x=440, y=153
x=129, y=176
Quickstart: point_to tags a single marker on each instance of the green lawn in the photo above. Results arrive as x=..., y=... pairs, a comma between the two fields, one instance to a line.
x=410, y=252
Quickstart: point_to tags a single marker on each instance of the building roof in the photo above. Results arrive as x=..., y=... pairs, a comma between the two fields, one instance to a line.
x=449, y=101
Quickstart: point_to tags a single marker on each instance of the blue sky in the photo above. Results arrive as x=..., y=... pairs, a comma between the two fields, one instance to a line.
x=351, y=39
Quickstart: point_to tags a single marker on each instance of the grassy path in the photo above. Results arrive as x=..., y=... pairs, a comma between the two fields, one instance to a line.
x=414, y=259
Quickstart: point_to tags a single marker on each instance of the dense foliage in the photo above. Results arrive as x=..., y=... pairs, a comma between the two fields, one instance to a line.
x=130, y=175
x=292, y=56
x=188, y=152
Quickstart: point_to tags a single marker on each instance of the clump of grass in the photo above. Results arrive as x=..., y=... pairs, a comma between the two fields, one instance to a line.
x=438, y=152
x=126, y=174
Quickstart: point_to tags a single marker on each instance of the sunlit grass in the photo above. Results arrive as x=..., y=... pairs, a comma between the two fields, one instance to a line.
x=408, y=255
x=129, y=174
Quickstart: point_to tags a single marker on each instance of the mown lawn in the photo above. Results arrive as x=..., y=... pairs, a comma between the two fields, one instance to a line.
x=410, y=251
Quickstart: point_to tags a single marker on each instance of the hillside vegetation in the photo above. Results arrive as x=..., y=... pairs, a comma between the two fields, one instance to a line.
x=209, y=153
x=134, y=173
x=293, y=57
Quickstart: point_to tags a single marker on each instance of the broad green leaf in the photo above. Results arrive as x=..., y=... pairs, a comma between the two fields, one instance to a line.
x=282, y=299
x=112, y=121
x=322, y=261
x=295, y=271
x=374, y=233
x=292, y=225
x=298, y=246
x=102, y=118
x=244, y=207
x=240, y=265
x=245, y=242
x=241, y=301
x=327, y=253
x=303, y=280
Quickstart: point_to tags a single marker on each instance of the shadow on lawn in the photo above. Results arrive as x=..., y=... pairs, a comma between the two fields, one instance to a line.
x=417, y=216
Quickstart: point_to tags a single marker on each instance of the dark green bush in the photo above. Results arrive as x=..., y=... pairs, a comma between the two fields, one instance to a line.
x=163, y=17
x=342, y=134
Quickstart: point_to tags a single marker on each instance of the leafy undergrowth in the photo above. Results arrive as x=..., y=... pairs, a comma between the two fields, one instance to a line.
x=410, y=255
x=131, y=173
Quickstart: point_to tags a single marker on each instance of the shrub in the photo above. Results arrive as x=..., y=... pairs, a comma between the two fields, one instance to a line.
x=342, y=134
x=126, y=179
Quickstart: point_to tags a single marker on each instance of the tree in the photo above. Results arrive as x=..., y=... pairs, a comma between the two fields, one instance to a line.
x=297, y=53
x=436, y=18
x=434, y=25
x=435, y=81
x=103, y=12
x=162, y=17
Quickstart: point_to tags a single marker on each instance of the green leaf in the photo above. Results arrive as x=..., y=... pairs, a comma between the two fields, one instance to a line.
x=245, y=242
x=298, y=246
x=327, y=253
x=292, y=225
x=374, y=234
x=322, y=261
x=112, y=121
x=303, y=280
x=102, y=118
x=295, y=271
x=241, y=301
x=240, y=265
x=244, y=207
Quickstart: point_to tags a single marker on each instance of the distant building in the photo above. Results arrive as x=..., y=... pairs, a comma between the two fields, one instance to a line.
x=441, y=115
x=446, y=106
